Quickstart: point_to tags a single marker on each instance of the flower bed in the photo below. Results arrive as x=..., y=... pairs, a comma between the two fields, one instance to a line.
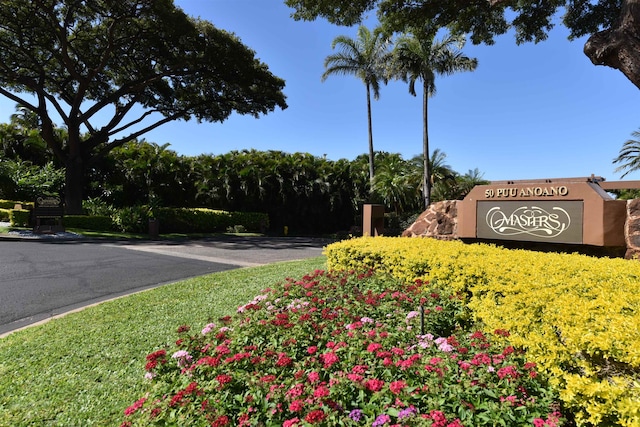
x=343, y=350
x=578, y=317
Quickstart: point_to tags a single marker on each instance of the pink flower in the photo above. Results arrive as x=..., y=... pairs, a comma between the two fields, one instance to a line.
x=359, y=369
x=329, y=359
x=296, y=406
x=208, y=328
x=312, y=349
x=396, y=387
x=373, y=347
x=293, y=422
x=313, y=377
x=508, y=372
x=320, y=392
x=356, y=378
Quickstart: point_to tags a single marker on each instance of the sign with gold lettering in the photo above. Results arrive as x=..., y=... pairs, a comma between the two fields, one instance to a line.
x=529, y=191
x=554, y=221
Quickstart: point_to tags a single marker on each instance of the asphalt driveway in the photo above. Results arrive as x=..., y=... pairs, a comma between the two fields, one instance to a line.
x=40, y=279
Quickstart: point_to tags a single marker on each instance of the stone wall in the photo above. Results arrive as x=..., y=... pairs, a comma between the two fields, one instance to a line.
x=632, y=229
x=438, y=221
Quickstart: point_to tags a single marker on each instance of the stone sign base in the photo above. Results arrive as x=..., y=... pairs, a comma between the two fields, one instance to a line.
x=632, y=229
x=438, y=221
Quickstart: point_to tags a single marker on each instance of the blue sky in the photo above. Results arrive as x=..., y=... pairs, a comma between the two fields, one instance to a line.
x=528, y=111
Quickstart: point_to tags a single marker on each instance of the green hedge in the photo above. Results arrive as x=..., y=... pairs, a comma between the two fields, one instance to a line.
x=4, y=214
x=19, y=218
x=10, y=204
x=185, y=220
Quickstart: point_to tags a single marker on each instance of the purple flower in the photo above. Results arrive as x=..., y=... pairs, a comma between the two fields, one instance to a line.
x=381, y=420
x=355, y=415
x=407, y=412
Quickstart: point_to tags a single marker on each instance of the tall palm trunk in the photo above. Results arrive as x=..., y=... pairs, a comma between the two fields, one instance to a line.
x=371, y=154
x=426, y=178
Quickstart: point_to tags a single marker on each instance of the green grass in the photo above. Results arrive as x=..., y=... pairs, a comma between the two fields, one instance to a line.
x=84, y=369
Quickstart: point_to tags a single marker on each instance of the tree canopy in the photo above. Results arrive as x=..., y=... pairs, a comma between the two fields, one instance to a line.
x=113, y=70
x=613, y=26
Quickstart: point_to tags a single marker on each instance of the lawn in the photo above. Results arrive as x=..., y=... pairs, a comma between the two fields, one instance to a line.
x=84, y=369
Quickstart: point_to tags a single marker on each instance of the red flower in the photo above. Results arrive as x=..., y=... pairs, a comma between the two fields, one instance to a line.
x=315, y=416
x=157, y=355
x=223, y=379
x=220, y=421
x=312, y=349
x=283, y=360
x=374, y=385
x=137, y=405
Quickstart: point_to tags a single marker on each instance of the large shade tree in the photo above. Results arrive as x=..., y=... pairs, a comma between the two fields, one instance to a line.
x=113, y=70
x=364, y=57
x=613, y=26
x=420, y=57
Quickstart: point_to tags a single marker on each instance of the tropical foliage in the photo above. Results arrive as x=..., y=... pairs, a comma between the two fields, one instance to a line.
x=308, y=194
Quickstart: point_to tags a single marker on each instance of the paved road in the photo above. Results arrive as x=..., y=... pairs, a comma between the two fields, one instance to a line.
x=44, y=278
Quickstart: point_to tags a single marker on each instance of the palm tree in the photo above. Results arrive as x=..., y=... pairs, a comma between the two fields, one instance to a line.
x=393, y=183
x=419, y=57
x=629, y=155
x=441, y=176
x=364, y=57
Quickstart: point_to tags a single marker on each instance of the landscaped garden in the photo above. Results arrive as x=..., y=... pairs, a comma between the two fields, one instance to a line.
x=381, y=332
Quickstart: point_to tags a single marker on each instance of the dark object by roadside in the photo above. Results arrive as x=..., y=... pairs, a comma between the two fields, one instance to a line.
x=47, y=214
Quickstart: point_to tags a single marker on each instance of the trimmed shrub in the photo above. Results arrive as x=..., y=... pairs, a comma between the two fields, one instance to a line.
x=10, y=204
x=4, y=214
x=19, y=218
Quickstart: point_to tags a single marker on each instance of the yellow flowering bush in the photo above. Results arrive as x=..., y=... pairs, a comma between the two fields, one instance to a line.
x=578, y=317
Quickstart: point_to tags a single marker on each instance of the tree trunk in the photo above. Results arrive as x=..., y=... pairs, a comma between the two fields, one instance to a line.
x=371, y=153
x=619, y=47
x=73, y=188
x=426, y=178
